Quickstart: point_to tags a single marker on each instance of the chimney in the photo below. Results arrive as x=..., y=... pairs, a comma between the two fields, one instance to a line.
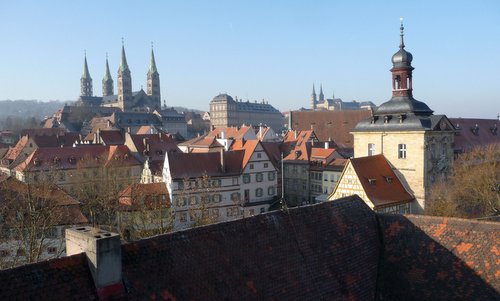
x=222, y=165
x=222, y=135
x=295, y=133
x=327, y=145
x=129, y=130
x=103, y=251
x=260, y=131
x=109, y=123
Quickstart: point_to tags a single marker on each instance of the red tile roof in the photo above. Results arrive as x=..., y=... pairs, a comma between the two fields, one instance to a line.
x=336, y=125
x=248, y=146
x=472, y=132
x=193, y=165
x=57, y=158
x=379, y=181
x=230, y=132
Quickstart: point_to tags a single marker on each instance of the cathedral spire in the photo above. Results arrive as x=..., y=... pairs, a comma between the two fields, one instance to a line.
x=152, y=65
x=123, y=63
x=153, y=89
x=321, y=95
x=313, y=99
x=86, y=80
x=107, y=81
x=125, y=98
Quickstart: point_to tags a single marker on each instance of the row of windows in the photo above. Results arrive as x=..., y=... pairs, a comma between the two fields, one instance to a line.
x=252, y=165
x=195, y=200
x=259, y=177
x=401, y=150
x=294, y=169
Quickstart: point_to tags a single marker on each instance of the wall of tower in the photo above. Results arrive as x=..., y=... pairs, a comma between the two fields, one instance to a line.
x=423, y=162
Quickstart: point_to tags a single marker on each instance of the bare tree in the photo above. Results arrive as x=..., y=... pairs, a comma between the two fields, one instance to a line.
x=144, y=212
x=30, y=214
x=473, y=190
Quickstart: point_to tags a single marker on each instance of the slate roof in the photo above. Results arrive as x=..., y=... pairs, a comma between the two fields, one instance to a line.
x=336, y=125
x=379, y=181
x=474, y=132
x=347, y=252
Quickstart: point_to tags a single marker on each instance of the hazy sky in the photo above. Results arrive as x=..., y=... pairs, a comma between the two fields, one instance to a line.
x=272, y=50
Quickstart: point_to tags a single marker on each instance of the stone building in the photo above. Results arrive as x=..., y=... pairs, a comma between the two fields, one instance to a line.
x=125, y=99
x=226, y=112
x=417, y=143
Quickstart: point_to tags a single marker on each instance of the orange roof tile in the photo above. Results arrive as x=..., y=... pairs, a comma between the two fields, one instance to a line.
x=379, y=181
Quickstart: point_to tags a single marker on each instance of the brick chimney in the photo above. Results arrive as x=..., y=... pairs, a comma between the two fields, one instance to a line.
x=103, y=250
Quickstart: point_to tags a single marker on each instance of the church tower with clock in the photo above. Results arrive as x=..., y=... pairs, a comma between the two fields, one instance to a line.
x=416, y=142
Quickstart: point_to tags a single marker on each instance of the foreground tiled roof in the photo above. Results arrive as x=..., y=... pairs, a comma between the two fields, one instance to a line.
x=436, y=258
x=346, y=252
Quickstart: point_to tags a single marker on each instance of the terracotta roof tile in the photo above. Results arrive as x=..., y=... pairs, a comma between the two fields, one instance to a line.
x=143, y=194
x=379, y=181
x=248, y=146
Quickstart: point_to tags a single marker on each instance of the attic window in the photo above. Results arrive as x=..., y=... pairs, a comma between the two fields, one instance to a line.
x=371, y=181
x=494, y=129
x=37, y=162
x=387, y=118
x=72, y=160
x=475, y=129
x=401, y=118
x=298, y=153
x=388, y=179
x=57, y=160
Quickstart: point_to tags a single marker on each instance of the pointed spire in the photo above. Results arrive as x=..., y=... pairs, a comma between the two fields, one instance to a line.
x=152, y=65
x=321, y=89
x=401, y=30
x=107, y=74
x=86, y=73
x=123, y=64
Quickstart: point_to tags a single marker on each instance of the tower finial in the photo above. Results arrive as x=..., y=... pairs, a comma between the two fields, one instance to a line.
x=123, y=43
x=401, y=30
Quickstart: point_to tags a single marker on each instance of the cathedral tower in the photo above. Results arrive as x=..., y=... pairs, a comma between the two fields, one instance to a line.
x=154, y=82
x=314, y=100
x=124, y=83
x=86, y=80
x=107, y=81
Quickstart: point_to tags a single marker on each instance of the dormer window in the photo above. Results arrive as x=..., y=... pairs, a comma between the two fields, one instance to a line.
x=475, y=129
x=494, y=129
x=387, y=118
x=371, y=181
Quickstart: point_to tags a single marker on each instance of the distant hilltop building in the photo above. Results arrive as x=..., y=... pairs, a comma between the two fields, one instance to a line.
x=320, y=103
x=227, y=112
x=125, y=99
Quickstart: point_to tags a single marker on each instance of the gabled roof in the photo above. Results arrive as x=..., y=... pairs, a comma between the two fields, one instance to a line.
x=195, y=165
x=108, y=137
x=248, y=146
x=379, y=181
x=202, y=142
x=233, y=132
x=154, y=146
x=474, y=132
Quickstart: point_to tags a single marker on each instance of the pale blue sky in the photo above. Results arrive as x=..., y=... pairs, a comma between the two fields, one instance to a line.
x=257, y=49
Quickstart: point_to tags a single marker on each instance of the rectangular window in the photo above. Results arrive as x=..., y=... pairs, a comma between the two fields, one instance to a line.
x=251, y=165
x=271, y=176
x=246, y=179
x=259, y=177
x=235, y=181
x=266, y=165
x=402, y=151
x=258, y=192
x=247, y=195
x=271, y=190
x=371, y=149
x=259, y=155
